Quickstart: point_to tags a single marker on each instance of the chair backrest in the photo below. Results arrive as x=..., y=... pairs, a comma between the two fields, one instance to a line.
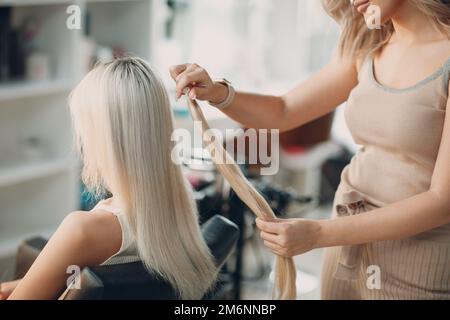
x=133, y=281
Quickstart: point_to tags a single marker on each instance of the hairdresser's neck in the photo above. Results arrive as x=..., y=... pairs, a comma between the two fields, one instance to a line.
x=412, y=25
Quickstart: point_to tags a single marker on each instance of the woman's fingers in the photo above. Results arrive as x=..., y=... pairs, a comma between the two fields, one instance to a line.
x=276, y=249
x=188, y=68
x=275, y=242
x=195, y=78
x=269, y=237
x=6, y=288
x=182, y=79
x=193, y=94
x=176, y=70
x=275, y=236
x=275, y=227
x=188, y=79
x=202, y=93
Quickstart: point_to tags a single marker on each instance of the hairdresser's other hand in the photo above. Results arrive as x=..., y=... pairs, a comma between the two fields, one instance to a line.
x=289, y=237
x=197, y=79
x=6, y=288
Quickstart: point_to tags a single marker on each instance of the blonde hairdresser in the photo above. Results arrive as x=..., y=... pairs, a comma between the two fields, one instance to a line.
x=392, y=209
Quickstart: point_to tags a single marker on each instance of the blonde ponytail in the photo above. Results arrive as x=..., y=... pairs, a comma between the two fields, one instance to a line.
x=285, y=273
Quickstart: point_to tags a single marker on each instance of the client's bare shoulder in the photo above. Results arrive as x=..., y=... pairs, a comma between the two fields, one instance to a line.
x=98, y=232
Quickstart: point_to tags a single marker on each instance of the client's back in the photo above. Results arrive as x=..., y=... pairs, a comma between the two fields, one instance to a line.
x=123, y=124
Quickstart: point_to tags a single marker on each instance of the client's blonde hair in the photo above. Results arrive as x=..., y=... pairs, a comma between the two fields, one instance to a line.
x=123, y=124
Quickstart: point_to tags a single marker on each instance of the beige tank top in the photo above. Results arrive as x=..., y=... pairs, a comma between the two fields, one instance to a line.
x=128, y=250
x=400, y=131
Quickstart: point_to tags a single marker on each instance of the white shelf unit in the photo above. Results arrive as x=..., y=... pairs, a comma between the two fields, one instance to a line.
x=40, y=185
x=29, y=89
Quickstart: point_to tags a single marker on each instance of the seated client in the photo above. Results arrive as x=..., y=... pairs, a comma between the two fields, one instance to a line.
x=123, y=125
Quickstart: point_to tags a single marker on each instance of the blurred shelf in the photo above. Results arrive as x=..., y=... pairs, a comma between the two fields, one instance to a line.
x=10, y=175
x=9, y=246
x=4, y=3
x=38, y=109
x=29, y=89
x=33, y=2
x=93, y=1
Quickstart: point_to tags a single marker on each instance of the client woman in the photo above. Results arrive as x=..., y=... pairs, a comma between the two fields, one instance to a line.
x=392, y=210
x=123, y=124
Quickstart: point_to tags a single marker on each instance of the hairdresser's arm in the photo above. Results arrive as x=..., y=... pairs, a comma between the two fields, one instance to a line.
x=317, y=96
x=403, y=219
x=79, y=241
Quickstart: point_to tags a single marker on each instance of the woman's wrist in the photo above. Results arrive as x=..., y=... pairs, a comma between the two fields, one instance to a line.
x=326, y=235
x=219, y=93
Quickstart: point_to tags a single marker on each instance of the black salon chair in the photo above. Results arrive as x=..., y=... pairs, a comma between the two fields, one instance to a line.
x=131, y=280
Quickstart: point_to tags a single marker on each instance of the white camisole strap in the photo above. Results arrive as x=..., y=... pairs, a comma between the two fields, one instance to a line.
x=113, y=210
x=128, y=251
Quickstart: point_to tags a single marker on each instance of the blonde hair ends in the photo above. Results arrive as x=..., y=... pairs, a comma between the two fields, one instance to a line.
x=285, y=272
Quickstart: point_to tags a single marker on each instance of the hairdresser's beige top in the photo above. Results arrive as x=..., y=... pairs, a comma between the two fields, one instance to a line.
x=128, y=251
x=400, y=131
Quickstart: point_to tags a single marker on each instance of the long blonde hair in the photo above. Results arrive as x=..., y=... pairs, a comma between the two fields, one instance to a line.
x=357, y=40
x=285, y=272
x=123, y=125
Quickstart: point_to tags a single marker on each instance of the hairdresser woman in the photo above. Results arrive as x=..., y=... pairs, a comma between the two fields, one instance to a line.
x=392, y=208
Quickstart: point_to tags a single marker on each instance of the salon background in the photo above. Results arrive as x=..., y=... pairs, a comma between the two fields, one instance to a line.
x=260, y=45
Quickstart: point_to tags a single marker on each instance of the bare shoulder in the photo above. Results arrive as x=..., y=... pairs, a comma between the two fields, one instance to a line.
x=90, y=224
x=83, y=239
x=97, y=234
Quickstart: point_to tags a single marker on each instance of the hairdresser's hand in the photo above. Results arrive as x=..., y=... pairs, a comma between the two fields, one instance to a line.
x=290, y=237
x=199, y=82
x=6, y=288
